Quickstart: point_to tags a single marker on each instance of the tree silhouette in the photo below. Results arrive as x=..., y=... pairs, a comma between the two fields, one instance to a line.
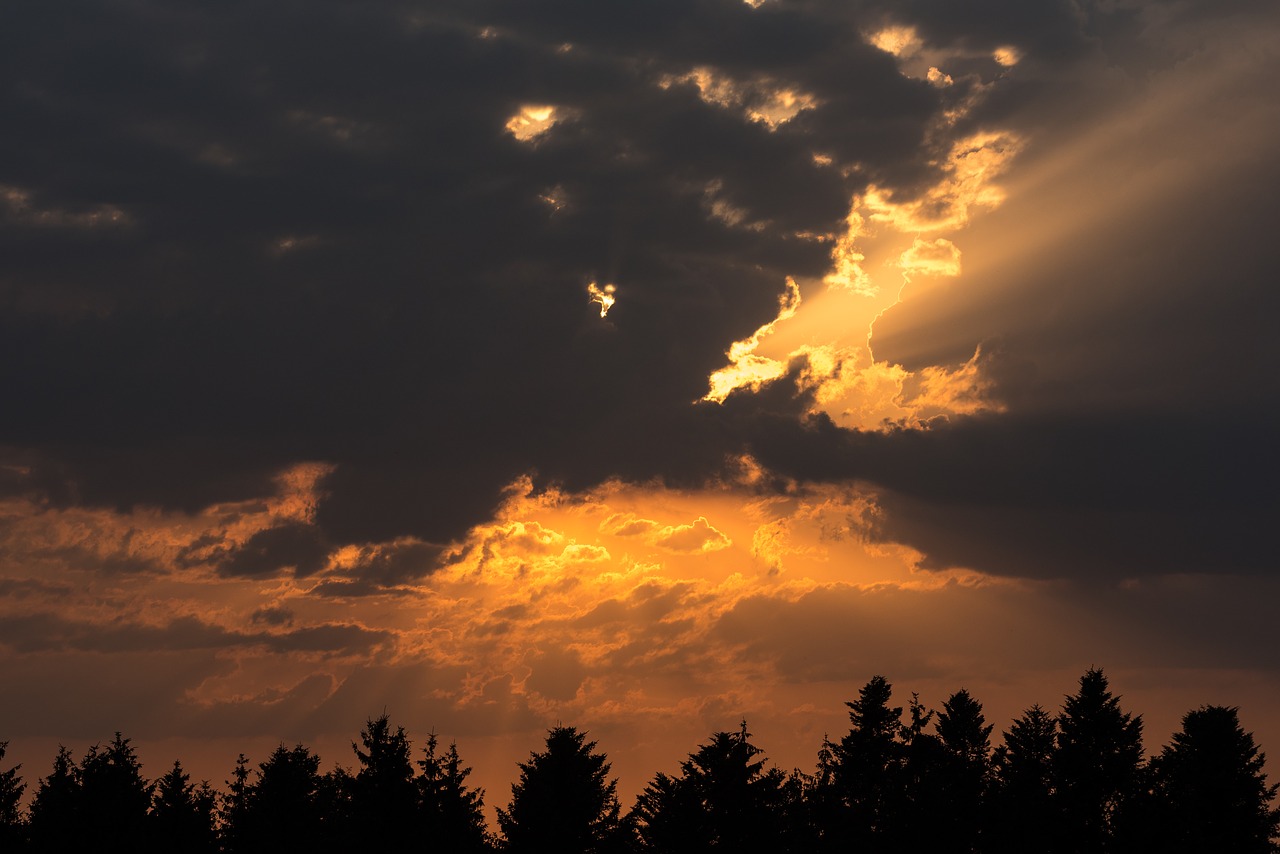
x=1096, y=766
x=281, y=809
x=1211, y=789
x=54, y=822
x=856, y=776
x=563, y=801
x=452, y=815
x=1021, y=810
x=384, y=797
x=964, y=771
x=102, y=804
x=233, y=808
x=916, y=814
x=12, y=827
x=723, y=800
x=182, y=813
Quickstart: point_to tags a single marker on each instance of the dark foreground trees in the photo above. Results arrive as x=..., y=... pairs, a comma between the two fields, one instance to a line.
x=917, y=779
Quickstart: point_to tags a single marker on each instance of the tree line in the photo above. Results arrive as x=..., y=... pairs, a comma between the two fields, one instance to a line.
x=1075, y=782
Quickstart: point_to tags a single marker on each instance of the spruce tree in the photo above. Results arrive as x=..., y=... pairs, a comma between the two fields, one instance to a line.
x=724, y=800
x=1022, y=814
x=384, y=797
x=12, y=826
x=1211, y=789
x=858, y=775
x=964, y=771
x=55, y=819
x=1096, y=767
x=182, y=813
x=564, y=801
x=452, y=815
x=115, y=798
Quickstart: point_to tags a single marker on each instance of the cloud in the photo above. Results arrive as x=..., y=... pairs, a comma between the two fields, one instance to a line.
x=45, y=631
x=698, y=537
x=295, y=546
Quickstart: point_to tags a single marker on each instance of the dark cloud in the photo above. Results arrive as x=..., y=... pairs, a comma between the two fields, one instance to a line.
x=49, y=632
x=241, y=238
x=334, y=254
x=293, y=545
x=272, y=615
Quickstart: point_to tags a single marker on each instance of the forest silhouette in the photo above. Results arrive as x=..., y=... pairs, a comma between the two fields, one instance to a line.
x=913, y=780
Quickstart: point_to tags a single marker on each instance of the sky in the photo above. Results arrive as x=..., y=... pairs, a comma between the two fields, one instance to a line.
x=640, y=367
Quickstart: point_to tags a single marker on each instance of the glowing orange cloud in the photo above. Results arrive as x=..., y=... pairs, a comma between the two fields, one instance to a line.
x=746, y=369
x=532, y=121
x=833, y=332
x=604, y=297
x=759, y=99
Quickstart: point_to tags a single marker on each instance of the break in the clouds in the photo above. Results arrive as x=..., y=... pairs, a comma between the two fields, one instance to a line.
x=506, y=360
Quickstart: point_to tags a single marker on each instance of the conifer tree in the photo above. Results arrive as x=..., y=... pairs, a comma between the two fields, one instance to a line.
x=452, y=814
x=12, y=826
x=55, y=822
x=281, y=809
x=1021, y=812
x=182, y=813
x=723, y=800
x=1096, y=767
x=857, y=775
x=384, y=797
x=964, y=771
x=114, y=797
x=233, y=808
x=564, y=801
x=1211, y=789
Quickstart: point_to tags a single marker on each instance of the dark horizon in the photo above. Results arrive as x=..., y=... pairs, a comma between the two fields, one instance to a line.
x=1074, y=780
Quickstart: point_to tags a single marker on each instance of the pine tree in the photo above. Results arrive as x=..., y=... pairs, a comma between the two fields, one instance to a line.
x=857, y=775
x=55, y=821
x=384, y=797
x=1022, y=814
x=1096, y=766
x=723, y=800
x=233, y=808
x=280, y=810
x=12, y=827
x=182, y=813
x=564, y=800
x=916, y=814
x=1211, y=789
x=964, y=771
x=115, y=798
x=452, y=814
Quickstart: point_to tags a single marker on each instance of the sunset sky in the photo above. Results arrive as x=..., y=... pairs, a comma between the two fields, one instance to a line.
x=637, y=366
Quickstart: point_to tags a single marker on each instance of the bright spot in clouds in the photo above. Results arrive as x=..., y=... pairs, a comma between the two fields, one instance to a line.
x=902, y=42
x=939, y=257
x=602, y=296
x=760, y=99
x=832, y=341
x=531, y=122
x=1007, y=56
x=746, y=369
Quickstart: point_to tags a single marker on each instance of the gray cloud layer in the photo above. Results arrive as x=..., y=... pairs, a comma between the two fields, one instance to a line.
x=244, y=235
